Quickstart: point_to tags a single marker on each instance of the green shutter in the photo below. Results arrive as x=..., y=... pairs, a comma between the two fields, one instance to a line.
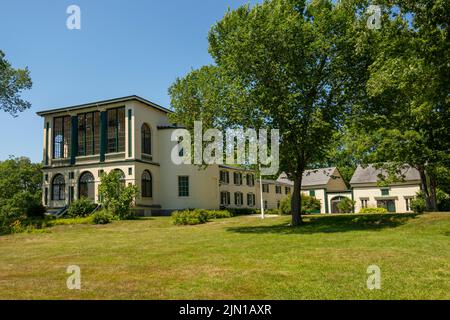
x=74, y=140
x=103, y=135
x=312, y=193
x=129, y=133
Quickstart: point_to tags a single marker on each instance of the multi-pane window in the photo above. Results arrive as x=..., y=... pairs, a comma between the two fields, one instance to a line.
x=312, y=193
x=224, y=176
x=58, y=188
x=61, y=137
x=278, y=189
x=385, y=191
x=237, y=178
x=238, y=198
x=116, y=130
x=265, y=188
x=287, y=190
x=146, y=139
x=408, y=204
x=86, y=186
x=183, y=186
x=89, y=133
x=265, y=204
x=146, y=184
x=363, y=203
x=251, y=199
x=250, y=180
x=224, y=198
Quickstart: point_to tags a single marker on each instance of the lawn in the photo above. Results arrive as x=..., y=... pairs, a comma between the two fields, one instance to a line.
x=236, y=258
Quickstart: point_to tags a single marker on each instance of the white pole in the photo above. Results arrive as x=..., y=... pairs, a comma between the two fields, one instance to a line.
x=261, y=192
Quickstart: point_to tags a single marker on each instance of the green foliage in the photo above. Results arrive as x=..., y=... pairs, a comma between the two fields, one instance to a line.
x=81, y=208
x=243, y=211
x=189, y=217
x=116, y=197
x=346, y=205
x=12, y=82
x=70, y=221
x=309, y=204
x=373, y=210
x=102, y=217
x=217, y=214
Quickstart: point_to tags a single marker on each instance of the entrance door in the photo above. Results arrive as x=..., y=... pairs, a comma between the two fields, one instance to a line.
x=388, y=204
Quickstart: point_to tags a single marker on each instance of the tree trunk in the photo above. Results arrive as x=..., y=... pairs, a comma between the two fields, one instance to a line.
x=296, y=202
x=424, y=183
x=433, y=199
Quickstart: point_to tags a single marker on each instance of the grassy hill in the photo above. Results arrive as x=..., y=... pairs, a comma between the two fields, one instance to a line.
x=237, y=258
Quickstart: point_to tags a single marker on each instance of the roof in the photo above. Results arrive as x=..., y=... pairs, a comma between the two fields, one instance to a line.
x=171, y=126
x=313, y=177
x=104, y=102
x=237, y=167
x=370, y=174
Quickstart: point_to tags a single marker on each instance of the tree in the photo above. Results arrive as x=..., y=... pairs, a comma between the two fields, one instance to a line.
x=285, y=65
x=20, y=190
x=12, y=82
x=408, y=121
x=346, y=205
x=116, y=197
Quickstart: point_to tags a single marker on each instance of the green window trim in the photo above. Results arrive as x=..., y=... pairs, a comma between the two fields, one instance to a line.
x=385, y=191
x=129, y=134
x=312, y=193
x=47, y=126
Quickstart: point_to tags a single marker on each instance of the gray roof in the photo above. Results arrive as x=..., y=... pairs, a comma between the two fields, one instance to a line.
x=104, y=102
x=313, y=177
x=370, y=174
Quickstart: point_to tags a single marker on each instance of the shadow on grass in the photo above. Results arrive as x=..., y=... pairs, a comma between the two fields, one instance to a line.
x=330, y=224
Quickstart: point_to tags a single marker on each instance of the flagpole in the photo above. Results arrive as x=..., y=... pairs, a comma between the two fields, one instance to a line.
x=261, y=192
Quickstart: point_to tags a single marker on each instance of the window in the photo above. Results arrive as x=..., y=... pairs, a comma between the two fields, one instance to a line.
x=61, y=137
x=278, y=189
x=116, y=130
x=86, y=186
x=265, y=188
x=250, y=180
x=146, y=182
x=224, y=198
x=237, y=177
x=58, y=188
x=364, y=203
x=287, y=190
x=89, y=133
x=385, y=191
x=46, y=196
x=238, y=198
x=146, y=139
x=278, y=204
x=265, y=204
x=46, y=177
x=312, y=193
x=71, y=175
x=251, y=199
x=121, y=176
x=408, y=204
x=224, y=176
x=130, y=171
x=183, y=186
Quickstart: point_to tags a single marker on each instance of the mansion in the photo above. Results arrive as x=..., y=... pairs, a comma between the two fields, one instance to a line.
x=133, y=136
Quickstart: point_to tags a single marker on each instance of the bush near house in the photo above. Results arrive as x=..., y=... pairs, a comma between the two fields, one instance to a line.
x=81, y=208
x=309, y=204
x=243, y=211
x=346, y=205
x=102, y=217
x=198, y=216
x=373, y=210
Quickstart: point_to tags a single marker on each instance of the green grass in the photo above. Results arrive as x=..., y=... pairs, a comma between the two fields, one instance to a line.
x=237, y=258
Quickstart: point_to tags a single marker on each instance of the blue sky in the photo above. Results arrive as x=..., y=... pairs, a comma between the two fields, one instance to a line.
x=123, y=48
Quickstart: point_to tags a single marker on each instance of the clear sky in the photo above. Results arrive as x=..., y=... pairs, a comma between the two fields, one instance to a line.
x=123, y=48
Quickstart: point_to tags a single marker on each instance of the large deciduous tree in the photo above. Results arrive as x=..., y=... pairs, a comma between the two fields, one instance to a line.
x=284, y=64
x=408, y=121
x=12, y=82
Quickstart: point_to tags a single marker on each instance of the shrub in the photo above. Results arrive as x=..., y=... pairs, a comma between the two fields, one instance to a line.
x=308, y=204
x=418, y=205
x=70, y=221
x=242, y=211
x=81, y=208
x=373, y=210
x=272, y=211
x=189, y=217
x=346, y=205
x=116, y=197
x=102, y=217
x=217, y=214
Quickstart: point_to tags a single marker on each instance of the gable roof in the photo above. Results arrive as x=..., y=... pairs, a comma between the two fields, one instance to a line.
x=370, y=174
x=104, y=102
x=313, y=177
